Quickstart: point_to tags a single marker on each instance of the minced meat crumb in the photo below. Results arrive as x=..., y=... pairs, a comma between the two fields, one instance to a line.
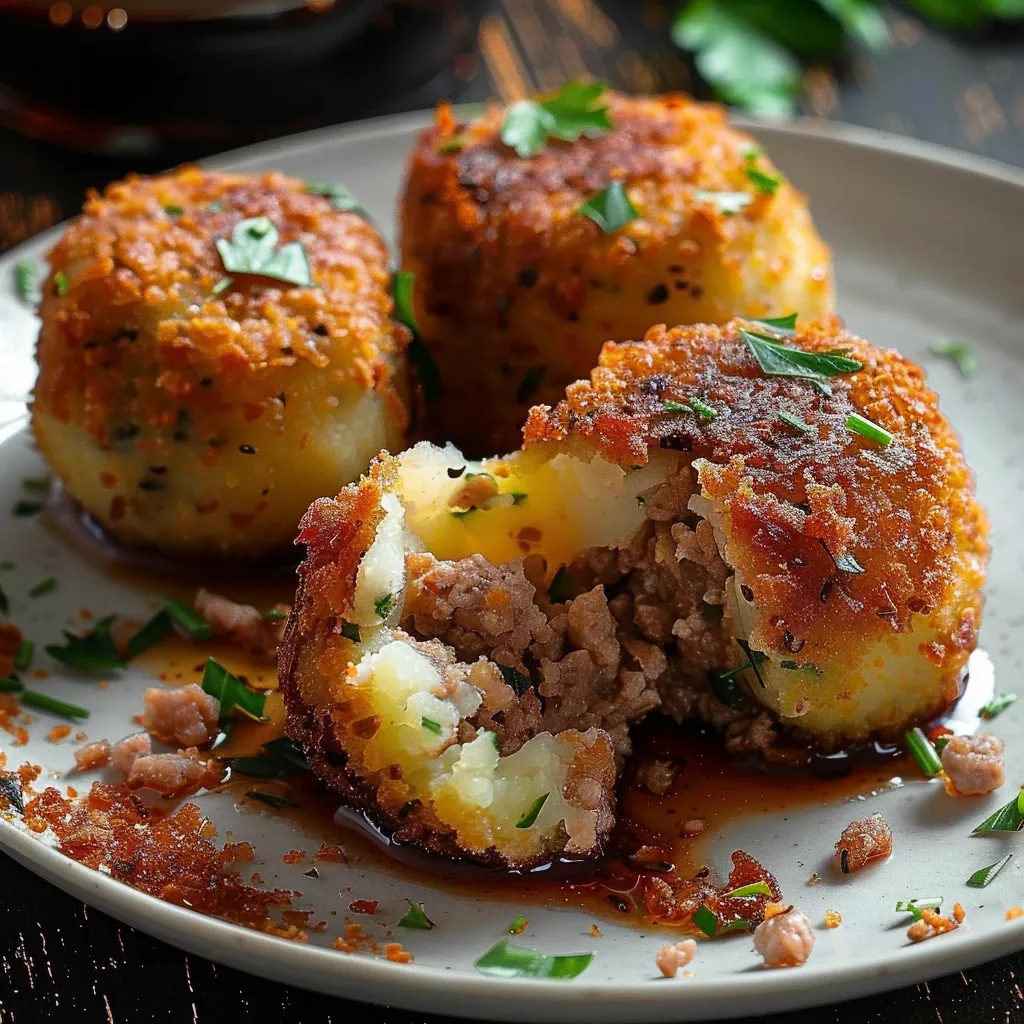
x=932, y=923
x=58, y=733
x=329, y=854
x=833, y=919
x=364, y=906
x=974, y=765
x=670, y=958
x=396, y=954
x=785, y=938
x=294, y=857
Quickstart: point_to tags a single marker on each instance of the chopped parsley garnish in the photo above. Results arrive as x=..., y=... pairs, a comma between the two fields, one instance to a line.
x=23, y=658
x=350, y=631
x=23, y=509
x=94, y=652
x=36, y=484
x=562, y=588
x=43, y=587
x=431, y=726
x=778, y=360
x=222, y=285
x=784, y=325
x=61, y=282
x=920, y=748
x=1009, y=817
x=518, y=497
x=341, y=198
x=872, y=431
x=456, y=144
x=253, y=250
x=919, y=906
x=514, y=678
x=518, y=925
x=45, y=702
x=171, y=612
x=383, y=605
x=765, y=183
x=703, y=410
x=670, y=405
x=26, y=281
x=530, y=817
x=231, y=692
x=174, y=210
x=414, y=917
x=997, y=705
x=983, y=876
x=794, y=421
x=960, y=352
x=277, y=759
x=418, y=353
x=707, y=921
x=506, y=960
x=728, y=203
x=272, y=799
x=567, y=115
x=610, y=209
x=274, y=615
x=753, y=889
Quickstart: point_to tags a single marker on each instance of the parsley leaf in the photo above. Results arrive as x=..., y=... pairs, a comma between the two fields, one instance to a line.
x=94, y=652
x=778, y=360
x=341, y=198
x=231, y=692
x=610, y=209
x=253, y=250
x=567, y=115
x=383, y=605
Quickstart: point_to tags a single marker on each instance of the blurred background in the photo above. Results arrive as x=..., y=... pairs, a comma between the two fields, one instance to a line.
x=90, y=91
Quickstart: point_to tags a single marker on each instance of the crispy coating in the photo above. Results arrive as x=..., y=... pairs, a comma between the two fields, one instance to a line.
x=517, y=291
x=201, y=419
x=790, y=503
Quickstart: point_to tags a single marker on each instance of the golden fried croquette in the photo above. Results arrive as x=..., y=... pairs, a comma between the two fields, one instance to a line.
x=198, y=410
x=683, y=532
x=516, y=290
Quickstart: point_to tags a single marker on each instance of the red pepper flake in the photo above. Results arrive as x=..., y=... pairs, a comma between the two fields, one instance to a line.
x=294, y=857
x=364, y=906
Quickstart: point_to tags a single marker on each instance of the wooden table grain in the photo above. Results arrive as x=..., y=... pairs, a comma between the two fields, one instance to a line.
x=61, y=961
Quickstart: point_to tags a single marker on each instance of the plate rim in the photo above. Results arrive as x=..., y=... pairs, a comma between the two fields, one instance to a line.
x=419, y=987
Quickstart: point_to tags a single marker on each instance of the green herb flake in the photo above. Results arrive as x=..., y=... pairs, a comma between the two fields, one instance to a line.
x=341, y=198
x=530, y=817
x=518, y=925
x=253, y=250
x=917, y=907
x=61, y=282
x=23, y=658
x=402, y=292
x=45, y=702
x=573, y=112
x=272, y=799
x=274, y=615
x=610, y=209
x=384, y=605
x=728, y=203
x=23, y=509
x=1009, y=817
x=767, y=184
x=784, y=325
x=518, y=497
x=706, y=920
x=872, y=431
x=11, y=684
x=960, y=352
x=983, y=876
x=778, y=360
x=417, y=352
x=26, y=281
x=726, y=688
x=93, y=652
x=514, y=678
x=431, y=726
x=456, y=144
x=289, y=752
x=43, y=587
x=10, y=790
x=997, y=705
x=231, y=692
x=506, y=960
x=350, y=631
x=794, y=421
x=670, y=405
x=36, y=484
x=190, y=621
x=562, y=587
x=222, y=285
x=174, y=210
x=258, y=767
x=703, y=410
x=753, y=889
x=414, y=917
x=150, y=634
x=920, y=748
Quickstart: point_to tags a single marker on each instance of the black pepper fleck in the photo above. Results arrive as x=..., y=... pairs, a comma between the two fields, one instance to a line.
x=247, y=449
x=321, y=330
x=527, y=278
x=454, y=474
x=657, y=295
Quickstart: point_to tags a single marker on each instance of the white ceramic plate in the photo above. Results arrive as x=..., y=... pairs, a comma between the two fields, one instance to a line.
x=927, y=246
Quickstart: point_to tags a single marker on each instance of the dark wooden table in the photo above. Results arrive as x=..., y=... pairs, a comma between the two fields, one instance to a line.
x=63, y=962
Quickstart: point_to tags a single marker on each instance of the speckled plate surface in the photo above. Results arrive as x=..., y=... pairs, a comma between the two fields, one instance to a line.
x=927, y=246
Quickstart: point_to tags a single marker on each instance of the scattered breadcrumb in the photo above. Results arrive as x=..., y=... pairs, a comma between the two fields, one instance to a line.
x=355, y=939
x=595, y=932
x=92, y=755
x=815, y=879
x=396, y=954
x=293, y=857
x=833, y=919
x=670, y=958
x=785, y=937
x=58, y=733
x=932, y=923
x=1014, y=912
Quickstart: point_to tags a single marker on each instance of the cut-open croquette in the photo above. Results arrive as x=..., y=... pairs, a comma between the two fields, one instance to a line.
x=471, y=641
x=516, y=289
x=199, y=409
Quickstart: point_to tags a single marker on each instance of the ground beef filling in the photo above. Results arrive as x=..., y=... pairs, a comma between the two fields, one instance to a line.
x=646, y=629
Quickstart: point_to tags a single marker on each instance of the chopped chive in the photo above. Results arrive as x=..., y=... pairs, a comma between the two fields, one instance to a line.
x=350, y=631
x=754, y=659
x=272, y=799
x=61, y=283
x=231, y=692
x=514, y=678
x=960, y=352
x=872, y=431
x=431, y=726
x=26, y=281
x=93, y=652
x=150, y=634
x=518, y=925
x=706, y=920
x=288, y=751
x=766, y=183
x=222, y=285
x=402, y=291
x=983, y=876
x=273, y=615
x=384, y=605
x=190, y=621
x=506, y=960
x=341, y=198
x=23, y=658
x=671, y=406
x=703, y=410
x=43, y=587
x=753, y=889
x=1009, y=817
x=562, y=588
x=997, y=705
x=918, y=906
x=36, y=484
x=610, y=209
x=940, y=743
x=174, y=210
x=414, y=917
x=923, y=752
x=258, y=767
x=11, y=684
x=453, y=145
x=530, y=817
x=23, y=509
x=52, y=704
x=794, y=421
